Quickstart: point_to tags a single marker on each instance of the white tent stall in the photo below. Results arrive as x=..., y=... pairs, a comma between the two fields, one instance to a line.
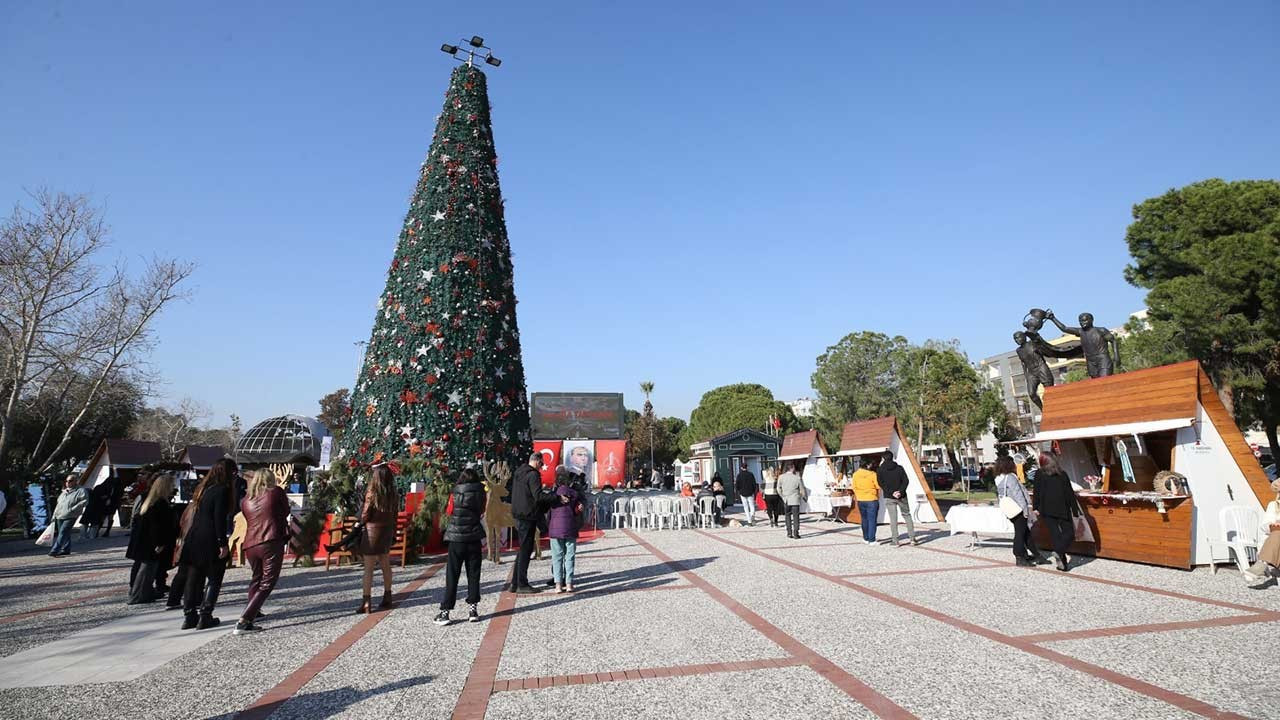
x=804, y=450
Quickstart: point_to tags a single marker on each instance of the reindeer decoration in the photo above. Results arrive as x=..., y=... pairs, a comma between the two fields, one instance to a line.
x=497, y=514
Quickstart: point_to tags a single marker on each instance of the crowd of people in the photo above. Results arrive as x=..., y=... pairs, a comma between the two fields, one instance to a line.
x=192, y=540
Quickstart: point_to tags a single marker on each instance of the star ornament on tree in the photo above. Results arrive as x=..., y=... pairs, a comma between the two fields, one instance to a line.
x=455, y=397
x=437, y=215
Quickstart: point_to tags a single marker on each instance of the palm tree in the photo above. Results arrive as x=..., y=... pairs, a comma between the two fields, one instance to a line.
x=646, y=387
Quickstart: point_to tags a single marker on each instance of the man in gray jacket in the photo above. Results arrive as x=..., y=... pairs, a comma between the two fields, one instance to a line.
x=70, y=504
x=792, y=490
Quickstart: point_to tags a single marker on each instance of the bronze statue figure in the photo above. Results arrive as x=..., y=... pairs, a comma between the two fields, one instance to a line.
x=1031, y=352
x=1100, y=347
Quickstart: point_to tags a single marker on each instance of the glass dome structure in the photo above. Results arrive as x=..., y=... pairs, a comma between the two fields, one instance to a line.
x=284, y=439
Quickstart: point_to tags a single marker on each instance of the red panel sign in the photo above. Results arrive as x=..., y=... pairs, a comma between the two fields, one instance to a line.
x=550, y=450
x=611, y=462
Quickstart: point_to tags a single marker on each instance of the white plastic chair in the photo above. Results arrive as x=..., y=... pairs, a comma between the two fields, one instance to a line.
x=1240, y=535
x=663, y=513
x=706, y=512
x=640, y=513
x=620, y=512
x=684, y=512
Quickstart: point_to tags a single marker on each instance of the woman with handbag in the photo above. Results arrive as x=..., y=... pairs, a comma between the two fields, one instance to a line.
x=1016, y=506
x=1056, y=502
x=378, y=520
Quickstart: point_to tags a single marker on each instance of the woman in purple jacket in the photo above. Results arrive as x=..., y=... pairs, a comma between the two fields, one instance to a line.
x=562, y=527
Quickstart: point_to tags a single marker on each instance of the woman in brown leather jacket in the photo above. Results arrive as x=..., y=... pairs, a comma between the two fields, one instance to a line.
x=266, y=513
x=381, y=508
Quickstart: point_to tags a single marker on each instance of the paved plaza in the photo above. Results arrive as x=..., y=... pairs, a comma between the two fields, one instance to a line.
x=727, y=623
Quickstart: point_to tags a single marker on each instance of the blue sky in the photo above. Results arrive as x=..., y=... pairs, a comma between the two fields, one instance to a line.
x=695, y=195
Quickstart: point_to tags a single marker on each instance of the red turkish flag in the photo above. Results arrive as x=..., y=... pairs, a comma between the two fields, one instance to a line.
x=550, y=450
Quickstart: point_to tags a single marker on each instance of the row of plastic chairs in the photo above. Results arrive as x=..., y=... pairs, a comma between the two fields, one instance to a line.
x=654, y=513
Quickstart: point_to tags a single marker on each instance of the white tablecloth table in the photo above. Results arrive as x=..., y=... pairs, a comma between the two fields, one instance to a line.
x=978, y=520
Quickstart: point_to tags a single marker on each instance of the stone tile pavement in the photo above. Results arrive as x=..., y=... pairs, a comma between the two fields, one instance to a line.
x=697, y=624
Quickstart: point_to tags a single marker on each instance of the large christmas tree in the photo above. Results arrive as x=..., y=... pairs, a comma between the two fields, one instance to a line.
x=442, y=376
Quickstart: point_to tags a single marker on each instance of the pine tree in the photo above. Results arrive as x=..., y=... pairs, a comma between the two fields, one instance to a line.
x=442, y=376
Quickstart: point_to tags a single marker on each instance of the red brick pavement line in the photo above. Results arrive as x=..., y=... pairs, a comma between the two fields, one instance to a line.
x=473, y=701
x=879, y=704
x=272, y=699
x=645, y=673
x=1141, y=687
x=1150, y=628
x=60, y=606
x=922, y=571
x=1117, y=583
x=810, y=545
x=617, y=555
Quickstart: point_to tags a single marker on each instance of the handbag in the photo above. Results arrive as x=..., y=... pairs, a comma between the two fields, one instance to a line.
x=1081, y=527
x=1010, y=508
x=46, y=537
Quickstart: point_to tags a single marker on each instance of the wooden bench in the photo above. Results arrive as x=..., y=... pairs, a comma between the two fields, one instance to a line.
x=336, y=534
x=399, y=548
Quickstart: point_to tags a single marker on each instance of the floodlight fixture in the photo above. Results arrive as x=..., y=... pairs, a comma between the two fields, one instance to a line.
x=469, y=50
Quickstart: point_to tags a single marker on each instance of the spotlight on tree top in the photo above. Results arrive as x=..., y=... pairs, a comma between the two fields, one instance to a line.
x=472, y=48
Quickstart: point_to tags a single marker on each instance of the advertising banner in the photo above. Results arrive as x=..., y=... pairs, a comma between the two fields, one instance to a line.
x=599, y=416
x=581, y=454
x=550, y=450
x=611, y=462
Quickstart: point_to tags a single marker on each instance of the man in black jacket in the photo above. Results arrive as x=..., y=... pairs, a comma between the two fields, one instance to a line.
x=746, y=486
x=893, y=483
x=527, y=505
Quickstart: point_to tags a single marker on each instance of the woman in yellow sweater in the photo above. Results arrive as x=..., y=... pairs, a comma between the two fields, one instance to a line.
x=867, y=492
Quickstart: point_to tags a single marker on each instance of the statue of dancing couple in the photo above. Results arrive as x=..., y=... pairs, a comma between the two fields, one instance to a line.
x=1098, y=346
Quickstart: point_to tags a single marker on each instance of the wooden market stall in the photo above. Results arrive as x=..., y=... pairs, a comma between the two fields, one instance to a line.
x=873, y=437
x=803, y=451
x=1116, y=434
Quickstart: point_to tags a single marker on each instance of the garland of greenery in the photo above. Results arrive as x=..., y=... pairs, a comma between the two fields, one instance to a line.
x=339, y=491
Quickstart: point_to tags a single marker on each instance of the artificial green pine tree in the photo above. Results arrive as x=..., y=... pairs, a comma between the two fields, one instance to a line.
x=442, y=376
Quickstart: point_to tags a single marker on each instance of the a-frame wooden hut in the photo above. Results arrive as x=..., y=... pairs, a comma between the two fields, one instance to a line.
x=873, y=437
x=1127, y=428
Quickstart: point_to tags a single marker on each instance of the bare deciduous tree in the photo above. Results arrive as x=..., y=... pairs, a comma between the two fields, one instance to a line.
x=67, y=327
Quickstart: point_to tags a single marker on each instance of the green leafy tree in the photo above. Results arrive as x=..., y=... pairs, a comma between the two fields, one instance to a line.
x=732, y=407
x=442, y=374
x=861, y=377
x=335, y=412
x=1209, y=255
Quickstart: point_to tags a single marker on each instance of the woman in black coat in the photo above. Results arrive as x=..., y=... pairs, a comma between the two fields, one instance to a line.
x=463, y=535
x=1056, y=502
x=150, y=534
x=204, y=548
